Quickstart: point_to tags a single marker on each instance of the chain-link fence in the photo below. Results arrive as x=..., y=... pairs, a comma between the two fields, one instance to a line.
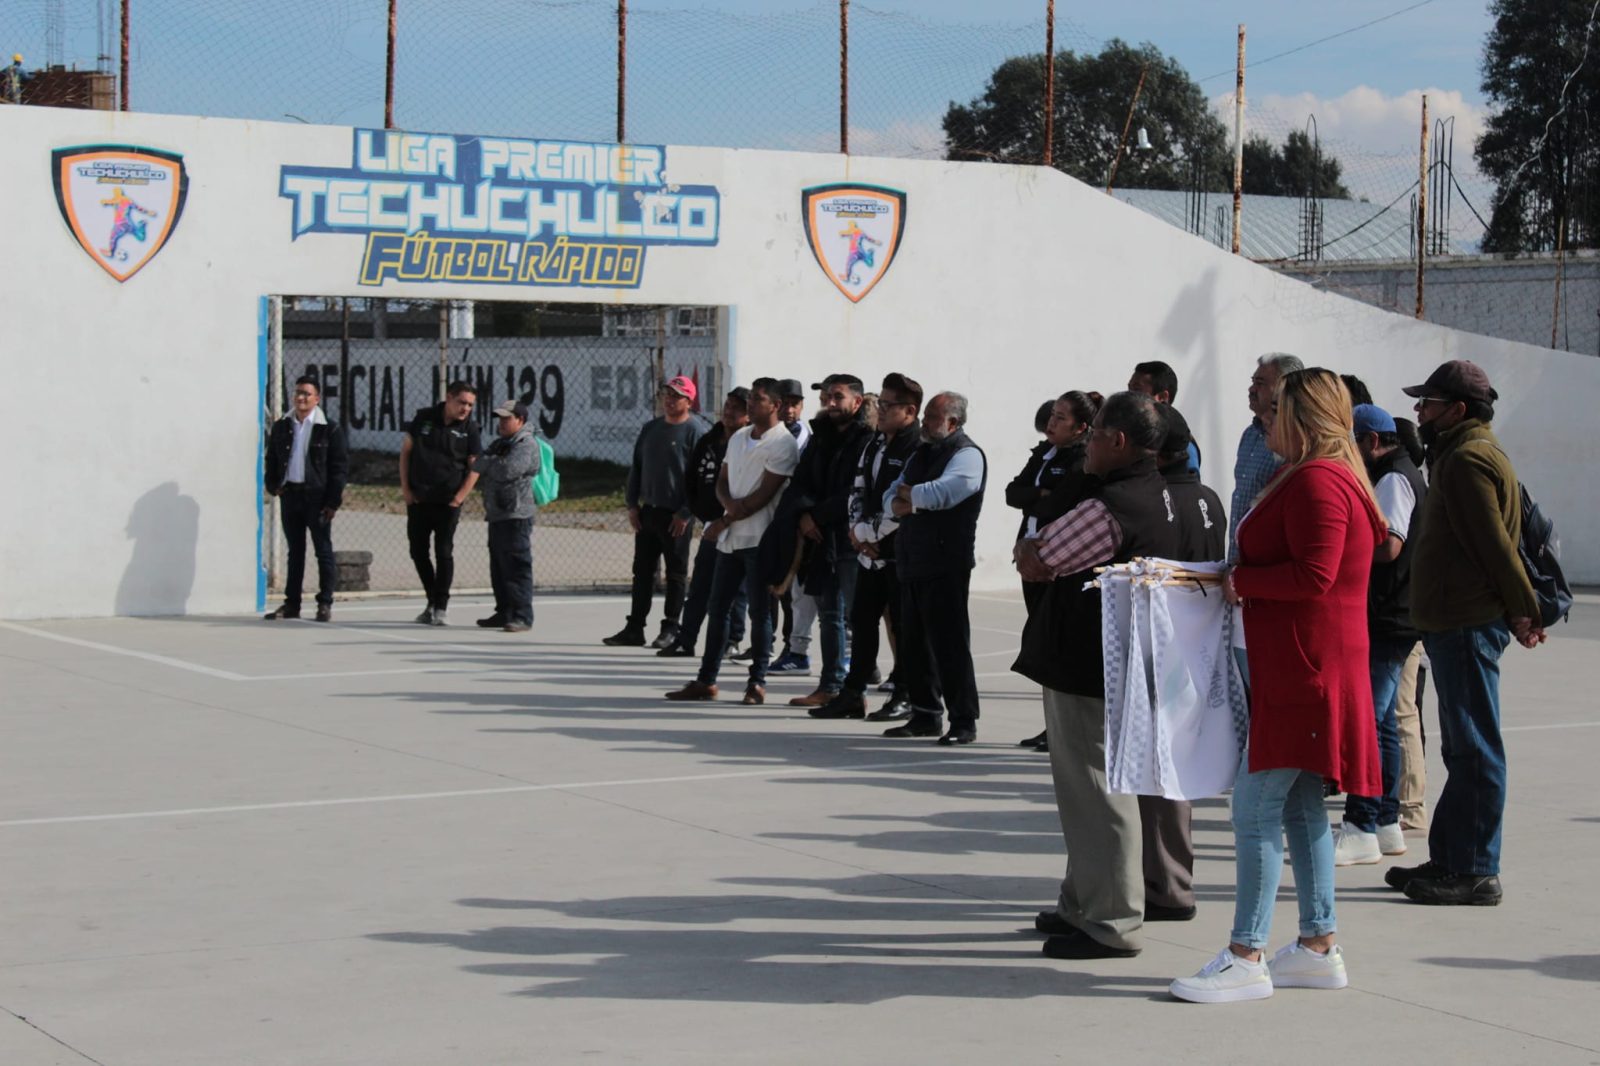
x=590, y=376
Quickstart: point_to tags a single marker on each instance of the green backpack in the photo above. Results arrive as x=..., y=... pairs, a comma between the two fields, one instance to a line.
x=547, y=482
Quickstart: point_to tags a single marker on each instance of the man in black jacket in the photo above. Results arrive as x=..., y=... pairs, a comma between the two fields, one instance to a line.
x=937, y=501
x=820, y=497
x=1202, y=522
x=701, y=487
x=307, y=463
x=871, y=531
x=435, y=480
x=1100, y=910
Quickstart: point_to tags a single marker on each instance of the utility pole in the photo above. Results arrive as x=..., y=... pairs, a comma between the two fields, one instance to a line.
x=1238, y=144
x=1422, y=205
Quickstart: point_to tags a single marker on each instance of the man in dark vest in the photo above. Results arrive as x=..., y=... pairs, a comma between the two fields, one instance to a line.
x=1166, y=825
x=1100, y=911
x=436, y=454
x=1371, y=826
x=937, y=501
x=872, y=535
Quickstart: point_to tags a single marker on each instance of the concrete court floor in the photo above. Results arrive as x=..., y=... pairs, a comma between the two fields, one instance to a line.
x=225, y=842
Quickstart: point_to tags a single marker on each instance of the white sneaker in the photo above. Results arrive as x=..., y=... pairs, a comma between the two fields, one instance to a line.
x=1297, y=966
x=1352, y=847
x=1225, y=979
x=1391, y=839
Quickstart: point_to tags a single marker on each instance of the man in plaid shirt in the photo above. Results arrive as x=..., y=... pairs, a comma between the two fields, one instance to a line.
x=1101, y=908
x=1256, y=463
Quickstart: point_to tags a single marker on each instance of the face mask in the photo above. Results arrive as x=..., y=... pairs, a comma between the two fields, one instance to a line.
x=1429, y=433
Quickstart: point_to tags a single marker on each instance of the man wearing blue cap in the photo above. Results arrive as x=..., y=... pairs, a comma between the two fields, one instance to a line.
x=1371, y=826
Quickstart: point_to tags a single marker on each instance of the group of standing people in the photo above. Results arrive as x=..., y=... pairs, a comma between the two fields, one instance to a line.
x=442, y=460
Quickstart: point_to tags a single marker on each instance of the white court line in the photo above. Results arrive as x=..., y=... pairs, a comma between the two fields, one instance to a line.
x=1558, y=725
x=402, y=604
x=913, y=761
x=112, y=649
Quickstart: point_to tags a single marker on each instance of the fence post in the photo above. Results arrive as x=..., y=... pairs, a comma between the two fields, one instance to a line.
x=1050, y=84
x=1422, y=204
x=124, y=74
x=274, y=412
x=444, y=348
x=388, y=78
x=844, y=77
x=1238, y=145
x=622, y=71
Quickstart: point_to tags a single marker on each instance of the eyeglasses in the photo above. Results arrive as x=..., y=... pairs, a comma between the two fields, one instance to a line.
x=1424, y=400
x=305, y=392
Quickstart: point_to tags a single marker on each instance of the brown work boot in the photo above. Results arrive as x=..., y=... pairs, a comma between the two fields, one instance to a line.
x=694, y=690
x=816, y=699
x=754, y=694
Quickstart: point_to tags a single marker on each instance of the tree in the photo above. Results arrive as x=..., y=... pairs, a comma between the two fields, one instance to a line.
x=1298, y=168
x=1537, y=144
x=1189, y=145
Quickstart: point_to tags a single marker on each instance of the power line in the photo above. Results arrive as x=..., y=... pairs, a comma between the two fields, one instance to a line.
x=1320, y=40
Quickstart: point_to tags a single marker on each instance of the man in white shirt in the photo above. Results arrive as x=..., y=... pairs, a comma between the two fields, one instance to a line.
x=307, y=463
x=760, y=460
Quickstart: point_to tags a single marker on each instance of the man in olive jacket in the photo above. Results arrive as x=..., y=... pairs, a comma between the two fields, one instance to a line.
x=505, y=474
x=1469, y=597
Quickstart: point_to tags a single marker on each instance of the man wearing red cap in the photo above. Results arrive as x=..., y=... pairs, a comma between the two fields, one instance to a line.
x=658, y=511
x=1469, y=597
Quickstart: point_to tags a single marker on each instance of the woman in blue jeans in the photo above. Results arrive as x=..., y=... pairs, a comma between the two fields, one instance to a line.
x=1305, y=554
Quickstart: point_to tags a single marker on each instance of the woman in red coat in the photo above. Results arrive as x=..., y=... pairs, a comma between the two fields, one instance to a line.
x=1305, y=554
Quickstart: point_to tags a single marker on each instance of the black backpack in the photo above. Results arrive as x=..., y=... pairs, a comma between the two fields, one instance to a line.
x=1540, y=549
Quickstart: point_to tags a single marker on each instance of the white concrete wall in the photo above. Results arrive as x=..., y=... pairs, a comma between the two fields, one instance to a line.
x=1012, y=284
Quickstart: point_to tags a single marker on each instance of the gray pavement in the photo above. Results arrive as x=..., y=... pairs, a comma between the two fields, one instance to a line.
x=227, y=842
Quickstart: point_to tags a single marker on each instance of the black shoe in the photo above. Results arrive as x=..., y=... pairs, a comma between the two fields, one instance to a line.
x=626, y=637
x=1455, y=890
x=742, y=656
x=324, y=612
x=894, y=709
x=494, y=621
x=1155, y=912
x=282, y=612
x=876, y=677
x=959, y=734
x=1032, y=742
x=667, y=638
x=1080, y=945
x=1400, y=876
x=517, y=627
x=1043, y=745
x=920, y=724
x=1050, y=923
x=676, y=651
x=844, y=705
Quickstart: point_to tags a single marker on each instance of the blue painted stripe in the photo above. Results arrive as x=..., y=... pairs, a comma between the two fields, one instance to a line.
x=260, y=478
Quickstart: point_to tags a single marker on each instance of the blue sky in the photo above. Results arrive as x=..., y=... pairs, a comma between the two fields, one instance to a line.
x=762, y=72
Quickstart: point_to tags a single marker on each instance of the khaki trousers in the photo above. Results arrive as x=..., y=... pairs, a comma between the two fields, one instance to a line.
x=1413, y=768
x=1103, y=890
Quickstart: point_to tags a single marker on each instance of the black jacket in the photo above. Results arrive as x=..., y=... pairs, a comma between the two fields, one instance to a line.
x=440, y=454
x=1061, y=642
x=934, y=544
x=1202, y=525
x=700, y=481
x=327, y=461
x=821, y=488
x=1059, y=489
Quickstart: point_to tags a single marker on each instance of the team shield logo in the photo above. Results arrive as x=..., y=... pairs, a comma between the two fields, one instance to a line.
x=122, y=202
x=854, y=231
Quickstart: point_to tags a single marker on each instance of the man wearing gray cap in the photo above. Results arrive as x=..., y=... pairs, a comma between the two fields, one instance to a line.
x=505, y=474
x=1469, y=597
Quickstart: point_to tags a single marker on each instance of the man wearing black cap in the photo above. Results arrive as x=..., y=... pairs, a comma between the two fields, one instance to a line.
x=505, y=474
x=1469, y=597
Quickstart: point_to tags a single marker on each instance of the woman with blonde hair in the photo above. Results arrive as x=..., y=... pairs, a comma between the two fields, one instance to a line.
x=1305, y=554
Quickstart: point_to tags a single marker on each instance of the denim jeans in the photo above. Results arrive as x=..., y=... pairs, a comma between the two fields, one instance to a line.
x=833, y=610
x=1367, y=813
x=694, y=607
x=511, y=568
x=299, y=517
x=1266, y=805
x=1467, y=819
x=738, y=570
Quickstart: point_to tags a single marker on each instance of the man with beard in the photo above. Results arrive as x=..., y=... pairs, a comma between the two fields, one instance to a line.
x=1101, y=907
x=436, y=478
x=872, y=535
x=937, y=500
x=1469, y=596
x=820, y=499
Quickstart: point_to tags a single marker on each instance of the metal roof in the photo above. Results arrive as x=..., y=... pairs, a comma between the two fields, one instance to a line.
x=1275, y=227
